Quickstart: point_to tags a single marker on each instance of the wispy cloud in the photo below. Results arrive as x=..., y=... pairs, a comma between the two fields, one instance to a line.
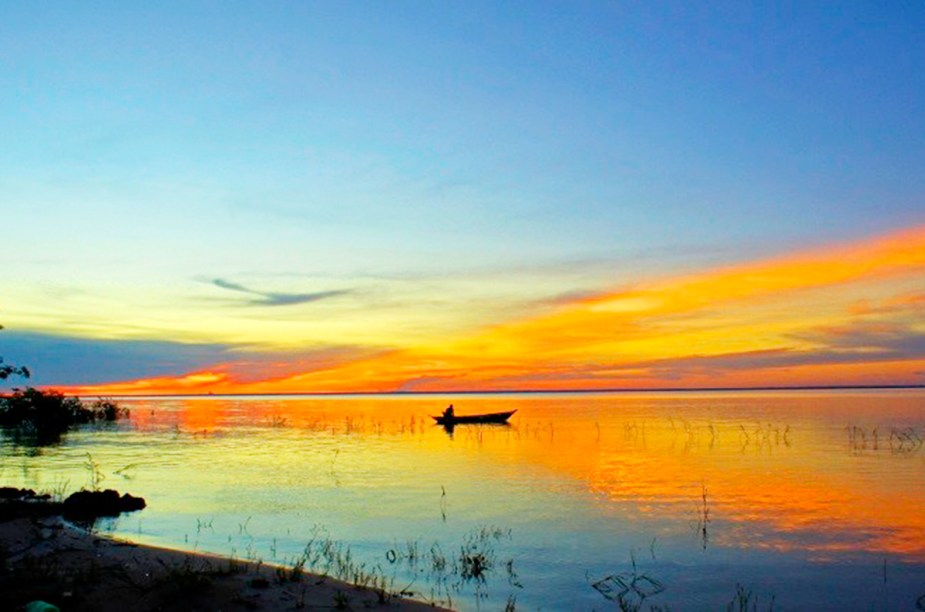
x=846, y=314
x=273, y=298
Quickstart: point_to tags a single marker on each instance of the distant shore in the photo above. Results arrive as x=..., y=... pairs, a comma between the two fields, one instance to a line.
x=502, y=391
x=48, y=559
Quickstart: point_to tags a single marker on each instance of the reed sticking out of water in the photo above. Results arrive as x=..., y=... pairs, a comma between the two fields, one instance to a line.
x=629, y=589
x=746, y=601
x=765, y=436
x=703, y=518
x=448, y=576
x=691, y=435
x=276, y=421
x=902, y=440
x=330, y=558
x=858, y=438
x=96, y=474
x=905, y=440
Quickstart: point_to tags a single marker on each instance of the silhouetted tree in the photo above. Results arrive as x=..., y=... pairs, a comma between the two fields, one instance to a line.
x=8, y=370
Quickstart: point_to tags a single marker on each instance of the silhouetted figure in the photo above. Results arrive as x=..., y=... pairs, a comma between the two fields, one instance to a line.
x=449, y=412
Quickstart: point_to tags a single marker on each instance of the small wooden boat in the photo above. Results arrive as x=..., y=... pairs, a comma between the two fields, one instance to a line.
x=458, y=419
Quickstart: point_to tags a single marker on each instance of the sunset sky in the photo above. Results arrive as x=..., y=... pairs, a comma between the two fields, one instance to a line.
x=330, y=197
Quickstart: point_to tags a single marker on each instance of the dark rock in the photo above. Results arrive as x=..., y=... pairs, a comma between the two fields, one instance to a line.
x=13, y=493
x=130, y=503
x=80, y=506
x=12, y=509
x=93, y=504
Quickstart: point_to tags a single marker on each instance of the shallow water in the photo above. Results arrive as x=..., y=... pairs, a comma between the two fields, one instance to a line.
x=688, y=500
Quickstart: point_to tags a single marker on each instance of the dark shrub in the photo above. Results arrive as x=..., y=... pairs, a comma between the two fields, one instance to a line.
x=48, y=414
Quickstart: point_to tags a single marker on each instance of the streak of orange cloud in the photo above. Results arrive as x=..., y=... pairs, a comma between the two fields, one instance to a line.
x=629, y=337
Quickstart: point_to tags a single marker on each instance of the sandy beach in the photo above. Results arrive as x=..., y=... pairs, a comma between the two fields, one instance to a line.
x=49, y=559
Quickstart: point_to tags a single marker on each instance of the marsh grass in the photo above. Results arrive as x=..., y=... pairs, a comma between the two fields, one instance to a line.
x=202, y=525
x=901, y=440
x=745, y=600
x=688, y=435
x=764, y=436
x=275, y=421
x=94, y=473
x=470, y=570
x=905, y=440
x=330, y=558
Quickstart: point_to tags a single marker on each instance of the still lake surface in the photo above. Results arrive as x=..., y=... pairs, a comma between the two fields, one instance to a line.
x=791, y=499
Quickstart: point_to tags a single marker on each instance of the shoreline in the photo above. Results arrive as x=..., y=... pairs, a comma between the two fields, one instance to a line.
x=51, y=560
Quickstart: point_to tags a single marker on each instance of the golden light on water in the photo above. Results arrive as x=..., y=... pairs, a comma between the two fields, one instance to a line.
x=794, y=483
x=723, y=487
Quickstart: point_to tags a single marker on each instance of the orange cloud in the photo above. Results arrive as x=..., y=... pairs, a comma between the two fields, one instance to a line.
x=751, y=324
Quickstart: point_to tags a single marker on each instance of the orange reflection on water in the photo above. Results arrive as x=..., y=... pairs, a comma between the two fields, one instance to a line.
x=783, y=486
x=789, y=478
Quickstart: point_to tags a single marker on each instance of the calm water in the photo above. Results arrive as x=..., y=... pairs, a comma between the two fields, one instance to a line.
x=803, y=499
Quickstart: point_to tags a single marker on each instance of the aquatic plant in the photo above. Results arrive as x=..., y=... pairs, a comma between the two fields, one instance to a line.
x=628, y=589
x=902, y=440
x=95, y=473
x=746, y=601
x=765, y=436
x=276, y=421
x=335, y=559
x=703, y=519
x=858, y=438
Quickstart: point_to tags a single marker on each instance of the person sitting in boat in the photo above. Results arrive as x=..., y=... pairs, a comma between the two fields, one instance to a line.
x=449, y=412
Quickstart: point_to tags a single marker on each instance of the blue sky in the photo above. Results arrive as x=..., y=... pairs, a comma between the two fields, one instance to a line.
x=460, y=157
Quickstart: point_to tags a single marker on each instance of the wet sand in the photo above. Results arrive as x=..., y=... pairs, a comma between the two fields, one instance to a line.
x=49, y=559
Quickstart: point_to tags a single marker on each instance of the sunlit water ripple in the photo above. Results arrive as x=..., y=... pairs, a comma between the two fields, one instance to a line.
x=809, y=499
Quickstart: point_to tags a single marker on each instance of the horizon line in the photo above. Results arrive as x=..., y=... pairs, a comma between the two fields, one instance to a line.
x=521, y=391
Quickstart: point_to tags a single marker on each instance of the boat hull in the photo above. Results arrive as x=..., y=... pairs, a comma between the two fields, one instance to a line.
x=494, y=417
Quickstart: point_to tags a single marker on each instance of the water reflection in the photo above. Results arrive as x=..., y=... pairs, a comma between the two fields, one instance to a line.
x=450, y=427
x=784, y=483
x=736, y=486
